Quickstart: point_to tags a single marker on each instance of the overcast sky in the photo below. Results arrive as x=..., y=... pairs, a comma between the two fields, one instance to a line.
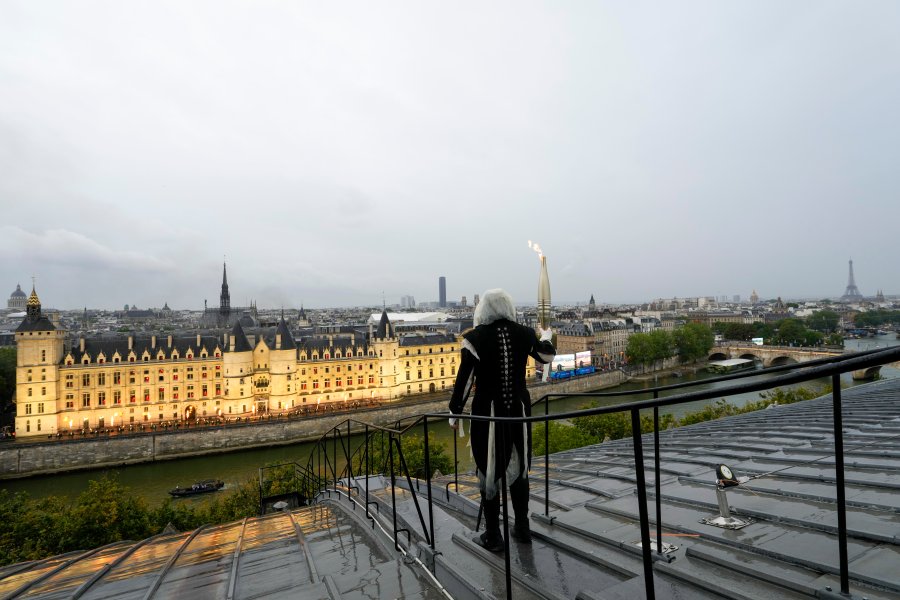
x=335, y=151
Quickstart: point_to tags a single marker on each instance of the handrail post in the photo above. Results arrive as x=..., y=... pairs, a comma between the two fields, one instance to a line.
x=334, y=432
x=459, y=423
x=659, y=546
x=393, y=490
x=367, y=469
x=839, y=481
x=504, y=461
x=642, y=502
x=547, y=456
x=349, y=462
x=428, y=482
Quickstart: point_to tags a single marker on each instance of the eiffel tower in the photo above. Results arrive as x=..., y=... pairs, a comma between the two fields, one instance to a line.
x=851, y=294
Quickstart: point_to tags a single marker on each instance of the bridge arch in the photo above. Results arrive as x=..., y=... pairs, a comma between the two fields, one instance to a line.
x=780, y=360
x=866, y=374
x=750, y=356
x=718, y=356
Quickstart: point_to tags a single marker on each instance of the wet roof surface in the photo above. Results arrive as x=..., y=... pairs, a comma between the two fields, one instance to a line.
x=588, y=546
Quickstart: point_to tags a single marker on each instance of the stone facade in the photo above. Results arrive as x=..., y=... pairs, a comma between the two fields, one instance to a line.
x=158, y=380
x=44, y=457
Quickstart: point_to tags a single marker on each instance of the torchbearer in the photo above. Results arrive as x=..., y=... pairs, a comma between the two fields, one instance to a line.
x=494, y=356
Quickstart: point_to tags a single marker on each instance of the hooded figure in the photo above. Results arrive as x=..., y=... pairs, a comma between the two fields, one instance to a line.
x=494, y=356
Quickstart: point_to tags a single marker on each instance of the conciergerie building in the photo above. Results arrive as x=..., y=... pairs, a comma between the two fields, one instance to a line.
x=65, y=384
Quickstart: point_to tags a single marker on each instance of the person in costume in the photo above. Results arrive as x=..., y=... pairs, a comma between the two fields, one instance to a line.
x=494, y=356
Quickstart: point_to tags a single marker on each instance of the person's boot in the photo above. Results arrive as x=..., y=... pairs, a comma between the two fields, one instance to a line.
x=522, y=531
x=491, y=539
x=518, y=493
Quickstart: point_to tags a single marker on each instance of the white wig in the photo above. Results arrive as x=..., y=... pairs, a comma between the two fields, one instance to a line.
x=494, y=305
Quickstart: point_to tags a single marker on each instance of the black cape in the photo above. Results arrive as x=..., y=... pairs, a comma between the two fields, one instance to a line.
x=493, y=360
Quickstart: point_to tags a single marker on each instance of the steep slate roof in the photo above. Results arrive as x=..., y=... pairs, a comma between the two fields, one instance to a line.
x=34, y=319
x=40, y=324
x=426, y=339
x=110, y=345
x=241, y=343
x=287, y=338
x=383, y=326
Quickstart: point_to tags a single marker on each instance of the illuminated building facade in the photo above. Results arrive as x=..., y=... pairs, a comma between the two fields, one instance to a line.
x=129, y=380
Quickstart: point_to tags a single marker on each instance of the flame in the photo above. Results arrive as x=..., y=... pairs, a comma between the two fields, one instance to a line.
x=536, y=248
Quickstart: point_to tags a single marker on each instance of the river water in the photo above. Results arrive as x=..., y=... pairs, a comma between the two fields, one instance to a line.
x=153, y=480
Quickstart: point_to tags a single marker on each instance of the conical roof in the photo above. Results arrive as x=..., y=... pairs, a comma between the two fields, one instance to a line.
x=241, y=343
x=384, y=326
x=287, y=340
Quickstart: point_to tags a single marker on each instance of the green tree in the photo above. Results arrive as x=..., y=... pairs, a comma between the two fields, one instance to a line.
x=790, y=331
x=662, y=343
x=413, y=446
x=825, y=321
x=647, y=348
x=693, y=341
x=563, y=436
x=737, y=331
x=640, y=349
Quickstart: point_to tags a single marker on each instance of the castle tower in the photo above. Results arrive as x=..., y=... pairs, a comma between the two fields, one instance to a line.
x=851, y=294
x=385, y=343
x=237, y=361
x=38, y=356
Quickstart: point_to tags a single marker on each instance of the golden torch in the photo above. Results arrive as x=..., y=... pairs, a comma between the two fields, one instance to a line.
x=543, y=296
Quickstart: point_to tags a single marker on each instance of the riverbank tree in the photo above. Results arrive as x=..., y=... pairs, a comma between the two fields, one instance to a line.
x=876, y=318
x=690, y=342
x=693, y=341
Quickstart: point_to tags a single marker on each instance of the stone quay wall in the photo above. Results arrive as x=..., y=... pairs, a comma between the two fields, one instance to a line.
x=23, y=459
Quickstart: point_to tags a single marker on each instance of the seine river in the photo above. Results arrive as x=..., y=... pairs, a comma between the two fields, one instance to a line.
x=153, y=480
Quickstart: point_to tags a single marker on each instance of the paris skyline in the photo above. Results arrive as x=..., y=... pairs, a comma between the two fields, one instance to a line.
x=338, y=155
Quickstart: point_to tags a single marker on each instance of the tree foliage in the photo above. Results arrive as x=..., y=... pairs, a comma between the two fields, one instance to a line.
x=825, y=321
x=693, y=341
x=875, y=318
x=647, y=348
x=413, y=446
x=563, y=436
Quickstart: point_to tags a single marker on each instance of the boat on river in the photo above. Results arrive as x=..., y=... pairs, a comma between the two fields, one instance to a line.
x=201, y=487
x=727, y=366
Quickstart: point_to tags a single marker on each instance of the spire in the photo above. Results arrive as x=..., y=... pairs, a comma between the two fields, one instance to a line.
x=224, y=298
x=33, y=306
x=34, y=319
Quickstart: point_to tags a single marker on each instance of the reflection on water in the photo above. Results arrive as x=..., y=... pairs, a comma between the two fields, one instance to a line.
x=153, y=481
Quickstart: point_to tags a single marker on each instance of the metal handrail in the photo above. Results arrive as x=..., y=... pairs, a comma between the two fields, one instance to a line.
x=794, y=373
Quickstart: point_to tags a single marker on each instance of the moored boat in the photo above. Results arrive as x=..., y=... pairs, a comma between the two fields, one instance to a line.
x=201, y=487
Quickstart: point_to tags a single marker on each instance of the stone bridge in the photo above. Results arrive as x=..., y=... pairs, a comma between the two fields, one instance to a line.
x=773, y=356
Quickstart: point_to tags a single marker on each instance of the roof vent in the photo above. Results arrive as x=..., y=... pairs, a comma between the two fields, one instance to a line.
x=725, y=479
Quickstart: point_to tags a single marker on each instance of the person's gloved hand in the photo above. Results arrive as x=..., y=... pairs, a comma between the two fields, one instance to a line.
x=546, y=335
